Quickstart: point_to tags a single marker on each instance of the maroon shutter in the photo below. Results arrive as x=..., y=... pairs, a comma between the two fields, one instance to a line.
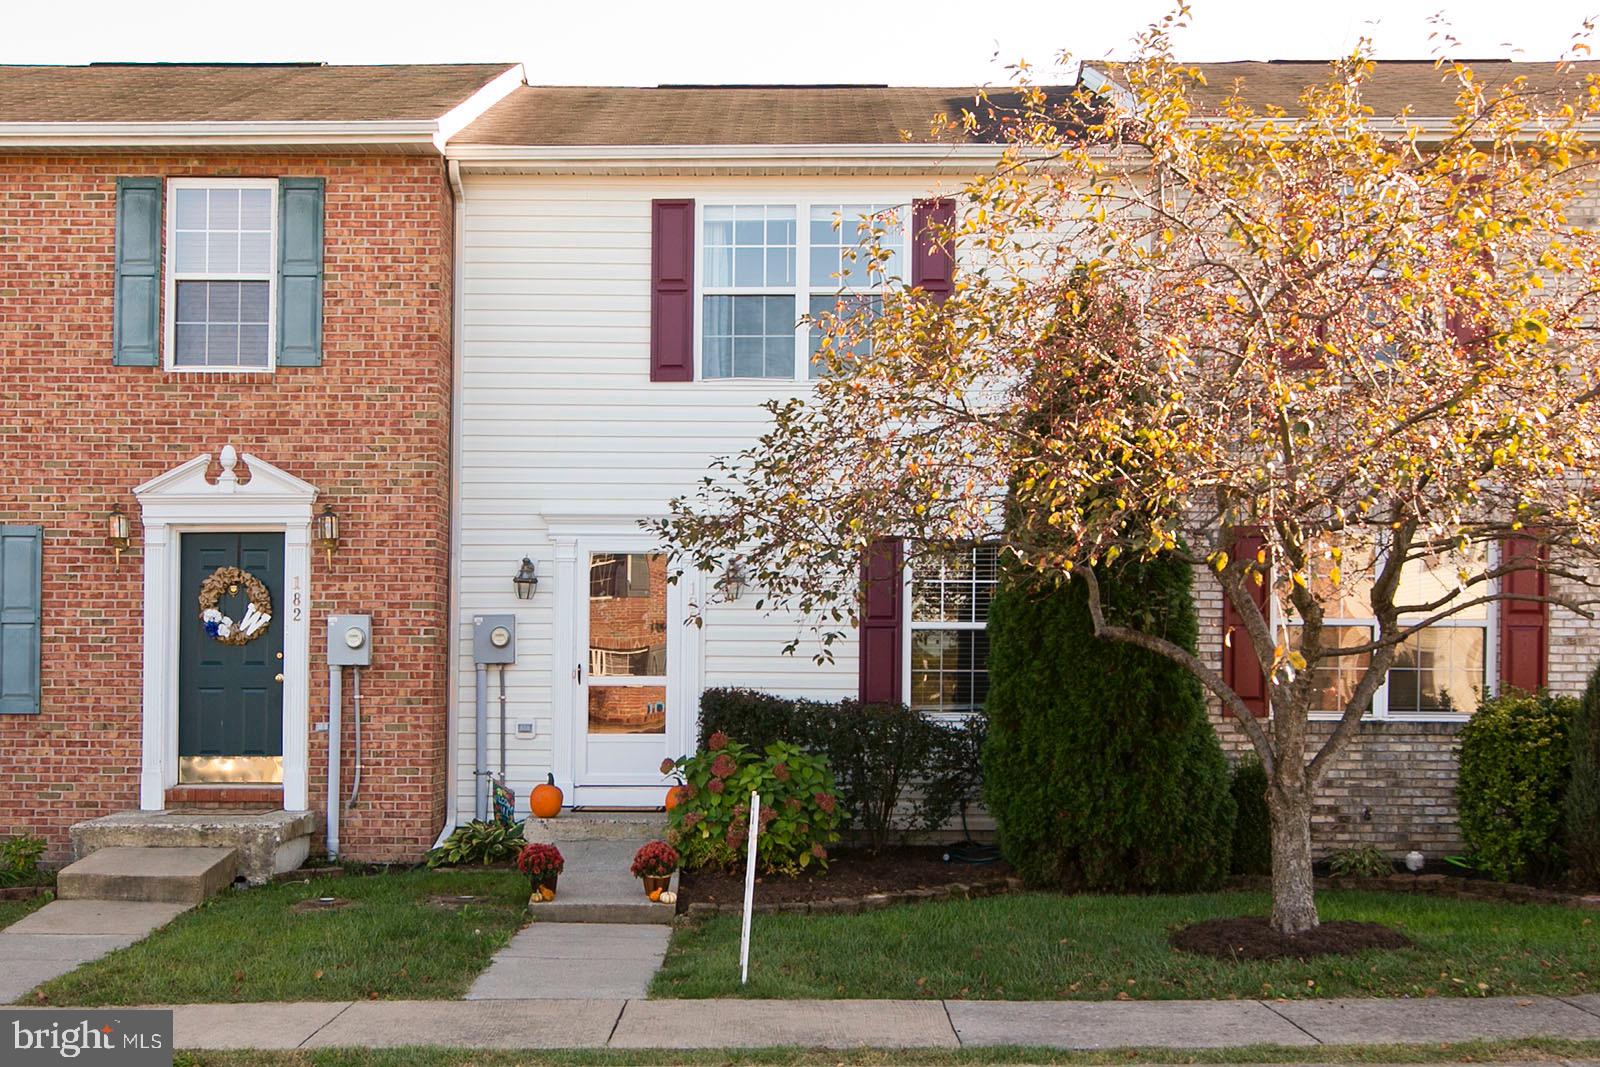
x=672, y=290
x=882, y=619
x=932, y=265
x=1524, y=624
x=1239, y=666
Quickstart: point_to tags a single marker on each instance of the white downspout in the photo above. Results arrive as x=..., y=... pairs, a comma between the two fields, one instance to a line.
x=458, y=196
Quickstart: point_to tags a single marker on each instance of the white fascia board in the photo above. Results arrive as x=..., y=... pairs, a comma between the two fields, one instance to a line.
x=635, y=158
x=472, y=108
x=124, y=134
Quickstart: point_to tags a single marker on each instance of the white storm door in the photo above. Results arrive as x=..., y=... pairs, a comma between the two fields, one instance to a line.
x=629, y=627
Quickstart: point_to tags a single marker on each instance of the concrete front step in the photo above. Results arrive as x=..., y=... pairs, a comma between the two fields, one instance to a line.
x=268, y=842
x=635, y=826
x=596, y=887
x=168, y=875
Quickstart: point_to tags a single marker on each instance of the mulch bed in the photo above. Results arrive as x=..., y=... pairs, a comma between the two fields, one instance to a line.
x=1255, y=939
x=24, y=892
x=851, y=873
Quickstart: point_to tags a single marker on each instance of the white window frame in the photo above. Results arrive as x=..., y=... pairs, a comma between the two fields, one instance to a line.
x=1490, y=624
x=802, y=291
x=909, y=626
x=173, y=276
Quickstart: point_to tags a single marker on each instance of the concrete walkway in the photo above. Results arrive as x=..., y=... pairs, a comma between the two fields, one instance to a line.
x=66, y=933
x=590, y=961
x=665, y=1024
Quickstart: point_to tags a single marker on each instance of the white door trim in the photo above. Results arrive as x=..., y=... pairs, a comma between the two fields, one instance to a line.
x=183, y=500
x=574, y=537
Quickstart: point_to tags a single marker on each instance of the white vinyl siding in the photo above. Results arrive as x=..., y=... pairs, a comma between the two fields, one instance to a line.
x=559, y=418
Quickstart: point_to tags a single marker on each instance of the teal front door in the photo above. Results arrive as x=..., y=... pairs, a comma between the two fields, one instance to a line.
x=230, y=696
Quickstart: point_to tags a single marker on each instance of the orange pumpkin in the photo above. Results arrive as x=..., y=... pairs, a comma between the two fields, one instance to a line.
x=676, y=796
x=545, y=800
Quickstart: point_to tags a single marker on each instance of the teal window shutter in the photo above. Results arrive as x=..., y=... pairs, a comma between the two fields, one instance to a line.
x=299, y=272
x=21, y=589
x=136, y=317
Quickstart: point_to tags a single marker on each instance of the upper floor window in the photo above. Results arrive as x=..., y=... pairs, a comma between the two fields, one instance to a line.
x=1440, y=671
x=761, y=274
x=948, y=635
x=221, y=273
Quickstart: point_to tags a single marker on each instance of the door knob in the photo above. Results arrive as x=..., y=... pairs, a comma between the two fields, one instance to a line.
x=277, y=678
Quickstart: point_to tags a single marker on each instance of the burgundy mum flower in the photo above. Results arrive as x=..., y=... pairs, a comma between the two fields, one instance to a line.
x=780, y=771
x=718, y=742
x=723, y=766
x=716, y=785
x=824, y=801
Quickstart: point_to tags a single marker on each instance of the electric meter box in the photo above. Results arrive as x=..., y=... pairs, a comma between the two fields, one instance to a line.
x=494, y=639
x=349, y=640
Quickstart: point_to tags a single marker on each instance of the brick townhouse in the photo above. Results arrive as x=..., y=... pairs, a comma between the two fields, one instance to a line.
x=225, y=383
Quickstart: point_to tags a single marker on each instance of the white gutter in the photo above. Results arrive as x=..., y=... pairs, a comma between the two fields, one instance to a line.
x=764, y=156
x=452, y=703
x=118, y=134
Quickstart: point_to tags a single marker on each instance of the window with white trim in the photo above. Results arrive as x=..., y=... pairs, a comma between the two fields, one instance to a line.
x=222, y=242
x=948, y=639
x=759, y=276
x=1438, y=672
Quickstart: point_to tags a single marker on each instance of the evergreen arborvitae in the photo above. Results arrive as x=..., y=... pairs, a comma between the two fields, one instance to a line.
x=1101, y=768
x=1583, y=793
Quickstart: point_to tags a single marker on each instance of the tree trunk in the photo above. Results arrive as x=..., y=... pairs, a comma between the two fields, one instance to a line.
x=1294, y=906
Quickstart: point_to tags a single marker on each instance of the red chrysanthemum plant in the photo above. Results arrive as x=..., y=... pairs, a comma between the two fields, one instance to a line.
x=655, y=859
x=541, y=863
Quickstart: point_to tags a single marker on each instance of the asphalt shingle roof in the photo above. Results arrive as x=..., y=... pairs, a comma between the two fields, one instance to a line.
x=732, y=115
x=238, y=93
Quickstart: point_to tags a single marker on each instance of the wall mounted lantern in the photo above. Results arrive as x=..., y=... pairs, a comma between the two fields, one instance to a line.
x=526, y=580
x=733, y=581
x=117, y=530
x=328, y=530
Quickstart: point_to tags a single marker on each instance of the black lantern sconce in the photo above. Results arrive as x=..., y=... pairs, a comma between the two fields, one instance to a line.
x=733, y=581
x=526, y=580
x=328, y=530
x=117, y=530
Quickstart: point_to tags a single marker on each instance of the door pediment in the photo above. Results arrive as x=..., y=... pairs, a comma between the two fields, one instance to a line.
x=186, y=494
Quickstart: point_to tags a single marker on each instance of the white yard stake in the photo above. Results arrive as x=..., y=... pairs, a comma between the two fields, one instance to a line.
x=749, y=889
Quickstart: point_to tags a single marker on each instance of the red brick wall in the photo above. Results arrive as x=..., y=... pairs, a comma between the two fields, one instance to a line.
x=370, y=428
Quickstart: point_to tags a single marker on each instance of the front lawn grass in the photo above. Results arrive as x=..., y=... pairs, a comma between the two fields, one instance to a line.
x=12, y=910
x=1049, y=947
x=391, y=943
x=1528, y=1050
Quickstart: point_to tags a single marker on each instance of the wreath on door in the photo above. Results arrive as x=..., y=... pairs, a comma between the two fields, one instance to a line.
x=229, y=580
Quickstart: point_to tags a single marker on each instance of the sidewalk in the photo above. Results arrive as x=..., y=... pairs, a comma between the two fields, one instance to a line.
x=65, y=934
x=665, y=1024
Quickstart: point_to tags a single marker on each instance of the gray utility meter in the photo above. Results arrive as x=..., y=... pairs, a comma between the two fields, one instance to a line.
x=494, y=639
x=349, y=640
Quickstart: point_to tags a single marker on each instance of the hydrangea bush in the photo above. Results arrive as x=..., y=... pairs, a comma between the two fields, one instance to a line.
x=799, y=817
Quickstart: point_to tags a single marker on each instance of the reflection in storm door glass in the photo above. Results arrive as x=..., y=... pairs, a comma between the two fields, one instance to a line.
x=627, y=643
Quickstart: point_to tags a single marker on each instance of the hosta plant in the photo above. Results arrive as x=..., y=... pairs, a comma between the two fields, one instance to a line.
x=799, y=815
x=479, y=841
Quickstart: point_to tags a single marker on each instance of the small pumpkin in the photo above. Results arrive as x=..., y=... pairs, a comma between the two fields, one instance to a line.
x=655, y=894
x=545, y=800
x=677, y=795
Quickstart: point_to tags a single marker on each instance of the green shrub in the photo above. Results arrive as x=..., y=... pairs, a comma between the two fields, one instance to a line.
x=19, y=859
x=1515, y=765
x=880, y=753
x=1252, y=826
x=1368, y=861
x=1101, y=768
x=954, y=779
x=1583, y=791
x=800, y=809
x=490, y=841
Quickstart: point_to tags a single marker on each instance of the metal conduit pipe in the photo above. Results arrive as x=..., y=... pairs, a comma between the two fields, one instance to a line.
x=335, y=700
x=480, y=770
x=355, y=704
